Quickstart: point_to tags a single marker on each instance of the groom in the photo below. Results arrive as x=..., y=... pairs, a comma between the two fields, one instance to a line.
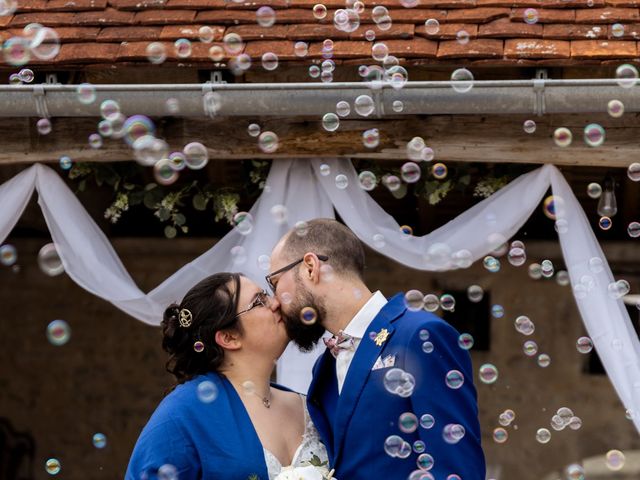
x=393, y=392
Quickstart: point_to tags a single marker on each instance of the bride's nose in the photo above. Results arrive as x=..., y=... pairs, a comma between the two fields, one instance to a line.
x=274, y=303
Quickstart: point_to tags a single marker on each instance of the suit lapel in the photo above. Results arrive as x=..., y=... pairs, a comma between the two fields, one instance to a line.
x=322, y=399
x=360, y=368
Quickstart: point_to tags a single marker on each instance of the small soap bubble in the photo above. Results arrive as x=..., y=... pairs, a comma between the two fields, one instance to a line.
x=364, y=105
x=58, y=332
x=531, y=16
x=367, y=180
x=529, y=126
x=301, y=49
x=410, y=172
x=432, y=26
x=530, y=348
x=454, y=379
x=562, y=136
x=626, y=75
x=43, y=126
x=342, y=181
x=408, y=422
x=524, y=325
x=156, y=53
x=439, y=171
x=182, y=47
x=207, y=391
x=497, y=311
x=462, y=80
x=243, y=222
x=453, y=433
x=488, y=373
x=447, y=302
x=465, y=341
x=427, y=421
x=319, y=11
x=414, y=300
x=475, y=293
x=431, y=302
x=605, y=223
x=633, y=229
x=615, y=460
x=544, y=360
x=99, y=440
x=268, y=142
x=49, y=260
x=543, y=435
x=266, y=16
x=594, y=135
x=615, y=108
x=196, y=155
x=594, y=190
x=633, y=172
x=269, y=61
x=330, y=122
x=500, y=435
x=52, y=466
x=308, y=315
x=343, y=108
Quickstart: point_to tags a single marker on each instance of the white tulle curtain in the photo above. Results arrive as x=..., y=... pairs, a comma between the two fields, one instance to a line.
x=89, y=258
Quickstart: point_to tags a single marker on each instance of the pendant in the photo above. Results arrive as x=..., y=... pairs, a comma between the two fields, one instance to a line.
x=266, y=402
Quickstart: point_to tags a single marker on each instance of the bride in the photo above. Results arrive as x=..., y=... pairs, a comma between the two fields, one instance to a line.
x=224, y=419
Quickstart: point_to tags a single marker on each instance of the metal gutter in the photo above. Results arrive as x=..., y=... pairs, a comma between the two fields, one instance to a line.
x=532, y=97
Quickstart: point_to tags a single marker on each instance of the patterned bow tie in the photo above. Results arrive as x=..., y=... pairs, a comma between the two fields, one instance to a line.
x=342, y=341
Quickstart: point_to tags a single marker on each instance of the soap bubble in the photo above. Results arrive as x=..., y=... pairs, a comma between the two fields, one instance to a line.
x=615, y=108
x=58, y=332
x=49, y=260
x=562, y=136
x=594, y=135
x=529, y=126
x=626, y=75
x=462, y=80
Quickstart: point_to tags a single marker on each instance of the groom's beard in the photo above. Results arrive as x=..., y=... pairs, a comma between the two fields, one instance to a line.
x=305, y=336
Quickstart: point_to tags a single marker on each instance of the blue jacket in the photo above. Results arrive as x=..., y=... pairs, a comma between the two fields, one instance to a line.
x=355, y=424
x=214, y=440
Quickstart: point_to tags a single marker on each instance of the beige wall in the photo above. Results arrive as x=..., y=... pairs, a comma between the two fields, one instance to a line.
x=110, y=376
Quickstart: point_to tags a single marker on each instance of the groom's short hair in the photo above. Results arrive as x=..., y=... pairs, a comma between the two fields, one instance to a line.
x=325, y=236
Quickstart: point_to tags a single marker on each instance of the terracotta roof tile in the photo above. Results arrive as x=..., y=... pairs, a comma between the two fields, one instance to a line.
x=527, y=48
x=546, y=15
x=256, y=32
x=415, y=48
x=136, y=5
x=603, y=49
x=563, y=31
x=137, y=52
x=342, y=49
x=226, y=17
x=164, y=17
x=129, y=34
x=623, y=3
x=109, y=16
x=397, y=30
x=481, y=48
x=505, y=28
x=54, y=19
x=449, y=31
x=31, y=5
x=607, y=15
x=88, y=53
x=77, y=34
x=197, y=4
x=283, y=49
x=326, y=3
x=75, y=5
x=447, y=4
x=314, y=31
x=254, y=5
x=413, y=15
x=6, y=20
x=190, y=32
x=477, y=15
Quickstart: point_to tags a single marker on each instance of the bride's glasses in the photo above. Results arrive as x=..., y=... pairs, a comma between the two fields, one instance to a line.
x=260, y=300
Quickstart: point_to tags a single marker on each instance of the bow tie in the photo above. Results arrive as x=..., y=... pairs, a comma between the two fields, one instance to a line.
x=338, y=342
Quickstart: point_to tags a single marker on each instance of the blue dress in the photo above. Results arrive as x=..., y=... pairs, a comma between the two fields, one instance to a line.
x=199, y=431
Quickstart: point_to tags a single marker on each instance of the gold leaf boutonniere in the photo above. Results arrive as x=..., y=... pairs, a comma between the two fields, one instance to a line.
x=381, y=337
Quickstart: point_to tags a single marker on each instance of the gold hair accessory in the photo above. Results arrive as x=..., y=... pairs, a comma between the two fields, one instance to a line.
x=185, y=318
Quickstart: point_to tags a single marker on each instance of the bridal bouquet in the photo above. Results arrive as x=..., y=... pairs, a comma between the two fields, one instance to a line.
x=305, y=473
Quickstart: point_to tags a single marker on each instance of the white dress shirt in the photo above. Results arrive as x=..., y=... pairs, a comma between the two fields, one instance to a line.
x=357, y=328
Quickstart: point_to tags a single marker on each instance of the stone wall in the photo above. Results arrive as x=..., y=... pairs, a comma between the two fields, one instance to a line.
x=109, y=377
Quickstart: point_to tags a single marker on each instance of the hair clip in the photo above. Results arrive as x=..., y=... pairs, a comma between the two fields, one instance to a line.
x=185, y=318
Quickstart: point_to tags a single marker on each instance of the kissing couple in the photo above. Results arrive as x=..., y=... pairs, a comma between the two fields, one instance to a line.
x=392, y=396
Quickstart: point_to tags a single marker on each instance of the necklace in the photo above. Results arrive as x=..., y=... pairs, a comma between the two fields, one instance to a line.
x=249, y=387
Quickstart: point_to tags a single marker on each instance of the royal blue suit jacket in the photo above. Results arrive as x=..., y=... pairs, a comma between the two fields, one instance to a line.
x=355, y=424
x=202, y=440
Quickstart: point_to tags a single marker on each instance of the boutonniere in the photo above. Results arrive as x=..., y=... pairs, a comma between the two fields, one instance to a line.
x=381, y=337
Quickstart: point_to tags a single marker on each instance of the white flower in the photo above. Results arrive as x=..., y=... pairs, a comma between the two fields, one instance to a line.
x=300, y=473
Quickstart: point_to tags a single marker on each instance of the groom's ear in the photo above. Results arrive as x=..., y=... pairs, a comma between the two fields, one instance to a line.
x=311, y=265
x=228, y=339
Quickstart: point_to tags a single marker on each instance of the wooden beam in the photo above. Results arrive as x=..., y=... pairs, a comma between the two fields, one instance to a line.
x=497, y=139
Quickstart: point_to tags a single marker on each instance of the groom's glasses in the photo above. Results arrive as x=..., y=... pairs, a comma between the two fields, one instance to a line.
x=269, y=278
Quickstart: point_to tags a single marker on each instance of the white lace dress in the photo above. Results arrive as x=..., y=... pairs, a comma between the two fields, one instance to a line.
x=310, y=447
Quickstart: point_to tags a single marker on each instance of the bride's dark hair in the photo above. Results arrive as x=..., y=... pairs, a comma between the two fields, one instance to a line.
x=213, y=303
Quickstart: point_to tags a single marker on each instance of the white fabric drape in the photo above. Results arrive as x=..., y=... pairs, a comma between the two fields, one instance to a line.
x=89, y=258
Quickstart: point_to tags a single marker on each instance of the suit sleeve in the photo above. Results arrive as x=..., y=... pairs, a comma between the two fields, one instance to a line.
x=163, y=449
x=448, y=406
